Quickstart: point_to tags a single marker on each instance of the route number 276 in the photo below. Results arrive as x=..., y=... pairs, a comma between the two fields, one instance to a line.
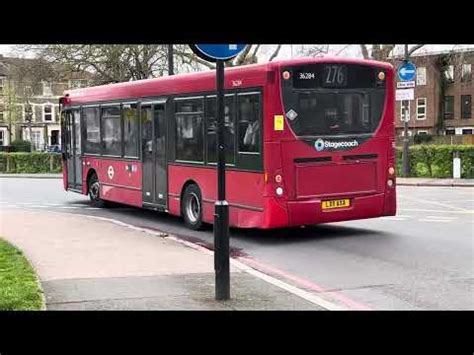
x=335, y=75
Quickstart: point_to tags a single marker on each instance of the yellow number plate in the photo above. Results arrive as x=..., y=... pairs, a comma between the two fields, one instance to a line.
x=327, y=205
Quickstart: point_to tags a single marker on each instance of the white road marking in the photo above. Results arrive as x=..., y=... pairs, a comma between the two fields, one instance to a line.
x=38, y=206
x=68, y=207
x=3, y=202
x=394, y=218
x=435, y=220
x=442, y=217
x=92, y=208
x=24, y=203
x=436, y=211
x=53, y=204
x=420, y=200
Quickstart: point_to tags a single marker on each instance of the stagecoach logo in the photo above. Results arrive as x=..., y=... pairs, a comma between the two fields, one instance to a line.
x=321, y=144
x=110, y=172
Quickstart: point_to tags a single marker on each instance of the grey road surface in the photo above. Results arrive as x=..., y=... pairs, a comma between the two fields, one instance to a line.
x=421, y=259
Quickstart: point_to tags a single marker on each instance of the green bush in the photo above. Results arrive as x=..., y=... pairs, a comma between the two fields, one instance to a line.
x=437, y=160
x=28, y=163
x=21, y=146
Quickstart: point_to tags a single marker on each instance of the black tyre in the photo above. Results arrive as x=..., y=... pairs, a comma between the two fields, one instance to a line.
x=191, y=207
x=94, y=192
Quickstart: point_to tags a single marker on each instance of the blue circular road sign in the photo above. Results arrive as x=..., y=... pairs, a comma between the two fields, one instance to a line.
x=407, y=71
x=213, y=52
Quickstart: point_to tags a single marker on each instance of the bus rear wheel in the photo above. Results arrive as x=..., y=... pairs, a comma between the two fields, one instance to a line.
x=94, y=192
x=191, y=207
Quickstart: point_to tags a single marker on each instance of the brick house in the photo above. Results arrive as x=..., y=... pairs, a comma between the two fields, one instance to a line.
x=425, y=111
x=37, y=98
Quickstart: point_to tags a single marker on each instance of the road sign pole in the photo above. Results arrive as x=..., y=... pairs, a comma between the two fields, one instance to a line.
x=221, y=216
x=405, y=103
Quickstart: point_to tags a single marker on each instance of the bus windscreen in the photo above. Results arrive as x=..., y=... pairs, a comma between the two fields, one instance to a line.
x=332, y=99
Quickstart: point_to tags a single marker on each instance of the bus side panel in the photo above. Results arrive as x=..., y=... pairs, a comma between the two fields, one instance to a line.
x=120, y=180
x=244, y=193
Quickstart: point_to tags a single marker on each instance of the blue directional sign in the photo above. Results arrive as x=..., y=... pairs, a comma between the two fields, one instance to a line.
x=213, y=52
x=407, y=71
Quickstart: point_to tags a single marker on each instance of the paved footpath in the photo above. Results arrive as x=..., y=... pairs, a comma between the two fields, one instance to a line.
x=87, y=263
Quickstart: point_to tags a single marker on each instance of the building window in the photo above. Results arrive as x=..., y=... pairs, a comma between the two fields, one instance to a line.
x=229, y=129
x=189, y=129
x=2, y=116
x=449, y=74
x=91, y=120
x=467, y=131
x=421, y=76
x=421, y=108
x=404, y=112
x=48, y=113
x=130, y=129
x=409, y=133
x=422, y=133
x=47, y=89
x=111, y=130
x=466, y=106
x=2, y=137
x=248, y=106
x=450, y=131
x=36, y=140
x=466, y=74
x=28, y=111
x=448, y=107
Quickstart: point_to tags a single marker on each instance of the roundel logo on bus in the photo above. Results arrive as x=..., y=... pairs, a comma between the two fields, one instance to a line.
x=110, y=172
x=319, y=145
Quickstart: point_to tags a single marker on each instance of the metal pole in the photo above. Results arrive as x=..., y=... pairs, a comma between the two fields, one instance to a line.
x=170, y=60
x=405, y=157
x=221, y=216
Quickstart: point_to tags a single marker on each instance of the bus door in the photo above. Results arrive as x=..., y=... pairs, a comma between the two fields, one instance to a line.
x=73, y=149
x=153, y=123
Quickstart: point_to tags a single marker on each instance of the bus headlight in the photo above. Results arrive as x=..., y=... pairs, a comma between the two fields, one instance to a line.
x=391, y=170
x=279, y=191
x=286, y=75
x=278, y=178
x=390, y=182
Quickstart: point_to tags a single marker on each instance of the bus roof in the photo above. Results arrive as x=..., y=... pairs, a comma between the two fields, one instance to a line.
x=244, y=76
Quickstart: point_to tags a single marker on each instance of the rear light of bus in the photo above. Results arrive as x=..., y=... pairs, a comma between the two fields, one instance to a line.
x=278, y=178
x=286, y=75
x=391, y=170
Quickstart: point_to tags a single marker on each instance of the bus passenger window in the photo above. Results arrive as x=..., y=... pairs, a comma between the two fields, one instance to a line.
x=112, y=130
x=189, y=130
x=130, y=127
x=249, y=123
x=229, y=131
x=92, y=130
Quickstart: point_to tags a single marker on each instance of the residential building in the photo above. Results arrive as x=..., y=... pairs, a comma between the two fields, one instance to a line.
x=445, y=76
x=28, y=89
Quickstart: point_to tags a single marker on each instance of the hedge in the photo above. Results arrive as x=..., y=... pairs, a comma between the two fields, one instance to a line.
x=35, y=162
x=436, y=161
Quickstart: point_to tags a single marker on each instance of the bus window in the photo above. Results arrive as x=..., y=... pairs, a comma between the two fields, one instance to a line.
x=189, y=129
x=229, y=131
x=111, y=130
x=92, y=130
x=249, y=122
x=130, y=130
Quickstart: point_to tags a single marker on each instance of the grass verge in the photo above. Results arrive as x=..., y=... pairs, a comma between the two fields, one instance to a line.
x=19, y=288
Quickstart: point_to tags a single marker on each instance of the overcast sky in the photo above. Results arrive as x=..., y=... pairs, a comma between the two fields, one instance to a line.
x=341, y=50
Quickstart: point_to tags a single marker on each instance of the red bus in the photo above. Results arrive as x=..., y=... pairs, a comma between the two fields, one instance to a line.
x=308, y=141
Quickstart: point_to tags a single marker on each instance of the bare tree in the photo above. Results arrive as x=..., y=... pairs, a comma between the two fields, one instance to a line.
x=383, y=52
x=314, y=50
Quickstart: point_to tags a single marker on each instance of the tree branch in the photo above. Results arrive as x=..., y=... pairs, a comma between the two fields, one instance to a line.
x=275, y=54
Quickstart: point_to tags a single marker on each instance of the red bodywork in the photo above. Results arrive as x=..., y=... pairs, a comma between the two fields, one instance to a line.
x=251, y=196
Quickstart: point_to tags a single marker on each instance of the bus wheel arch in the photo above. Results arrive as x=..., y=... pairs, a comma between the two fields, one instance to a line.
x=191, y=206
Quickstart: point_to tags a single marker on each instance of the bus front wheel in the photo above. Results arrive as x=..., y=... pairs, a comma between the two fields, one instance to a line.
x=191, y=207
x=94, y=192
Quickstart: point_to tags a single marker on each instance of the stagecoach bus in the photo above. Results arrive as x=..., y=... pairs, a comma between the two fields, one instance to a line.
x=308, y=141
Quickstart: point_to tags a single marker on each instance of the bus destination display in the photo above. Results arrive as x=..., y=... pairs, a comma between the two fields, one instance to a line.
x=330, y=76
